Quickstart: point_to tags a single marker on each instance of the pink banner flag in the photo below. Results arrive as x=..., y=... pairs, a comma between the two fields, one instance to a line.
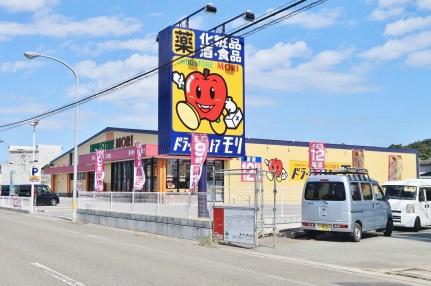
x=99, y=171
x=317, y=156
x=199, y=151
x=139, y=175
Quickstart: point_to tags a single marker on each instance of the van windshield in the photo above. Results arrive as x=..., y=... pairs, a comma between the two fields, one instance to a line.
x=399, y=192
x=327, y=191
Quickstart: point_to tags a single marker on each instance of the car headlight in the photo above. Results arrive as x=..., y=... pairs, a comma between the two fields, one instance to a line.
x=410, y=208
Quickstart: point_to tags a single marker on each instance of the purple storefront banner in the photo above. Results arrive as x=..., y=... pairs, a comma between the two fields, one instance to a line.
x=86, y=161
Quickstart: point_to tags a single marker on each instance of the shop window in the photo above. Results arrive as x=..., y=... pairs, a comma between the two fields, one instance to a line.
x=150, y=167
x=81, y=176
x=90, y=181
x=122, y=176
x=172, y=175
x=178, y=174
x=183, y=174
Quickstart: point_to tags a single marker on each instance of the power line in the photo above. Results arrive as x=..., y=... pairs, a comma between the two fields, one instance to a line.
x=154, y=70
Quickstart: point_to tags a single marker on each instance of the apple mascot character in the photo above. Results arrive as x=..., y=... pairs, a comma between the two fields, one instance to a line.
x=275, y=166
x=206, y=98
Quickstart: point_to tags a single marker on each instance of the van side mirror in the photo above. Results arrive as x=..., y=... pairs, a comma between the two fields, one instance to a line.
x=421, y=197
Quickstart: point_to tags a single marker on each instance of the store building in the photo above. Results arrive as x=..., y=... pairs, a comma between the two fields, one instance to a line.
x=17, y=169
x=166, y=173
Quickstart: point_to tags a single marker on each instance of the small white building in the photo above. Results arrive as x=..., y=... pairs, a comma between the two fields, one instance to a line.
x=17, y=169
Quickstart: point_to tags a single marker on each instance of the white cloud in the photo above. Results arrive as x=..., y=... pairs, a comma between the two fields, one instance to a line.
x=16, y=66
x=23, y=109
x=115, y=70
x=147, y=44
x=407, y=26
x=62, y=27
x=388, y=8
x=142, y=94
x=424, y=4
x=322, y=19
x=27, y=5
x=285, y=52
x=419, y=59
x=317, y=72
x=397, y=48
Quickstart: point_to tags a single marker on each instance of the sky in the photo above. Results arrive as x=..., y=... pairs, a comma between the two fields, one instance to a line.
x=353, y=72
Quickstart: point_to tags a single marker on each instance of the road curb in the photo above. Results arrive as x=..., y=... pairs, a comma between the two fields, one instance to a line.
x=15, y=210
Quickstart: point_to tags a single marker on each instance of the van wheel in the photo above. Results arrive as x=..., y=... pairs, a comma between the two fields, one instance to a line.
x=417, y=225
x=389, y=227
x=357, y=232
x=53, y=202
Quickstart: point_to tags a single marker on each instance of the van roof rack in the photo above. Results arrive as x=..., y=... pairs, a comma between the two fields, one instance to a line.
x=353, y=174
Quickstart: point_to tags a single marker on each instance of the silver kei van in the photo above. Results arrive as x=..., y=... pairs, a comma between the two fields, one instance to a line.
x=346, y=201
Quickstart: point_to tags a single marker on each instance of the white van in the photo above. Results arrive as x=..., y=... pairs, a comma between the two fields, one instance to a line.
x=410, y=202
x=347, y=201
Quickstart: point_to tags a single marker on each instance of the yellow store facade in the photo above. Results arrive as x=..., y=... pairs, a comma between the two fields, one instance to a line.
x=166, y=173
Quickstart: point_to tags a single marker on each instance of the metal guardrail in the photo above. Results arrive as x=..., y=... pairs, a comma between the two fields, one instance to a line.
x=170, y=204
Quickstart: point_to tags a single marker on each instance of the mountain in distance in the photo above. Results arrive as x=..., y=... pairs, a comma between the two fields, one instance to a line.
x=423, y=146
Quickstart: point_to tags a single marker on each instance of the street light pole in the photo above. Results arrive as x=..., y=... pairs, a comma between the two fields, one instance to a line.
x=34, y=123
x=32, y=55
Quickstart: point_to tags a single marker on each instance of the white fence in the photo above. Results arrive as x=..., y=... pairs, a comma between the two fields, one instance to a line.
x=181, y=205
x=13, y=202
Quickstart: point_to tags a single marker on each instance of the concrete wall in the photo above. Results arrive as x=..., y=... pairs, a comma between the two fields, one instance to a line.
x=192, y=229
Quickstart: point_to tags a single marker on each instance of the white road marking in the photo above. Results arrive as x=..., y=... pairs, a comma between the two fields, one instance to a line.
x=57, y=275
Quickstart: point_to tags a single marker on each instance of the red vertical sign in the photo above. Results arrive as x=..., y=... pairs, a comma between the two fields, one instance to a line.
x=198, y=154
x=99, y=172
x=139, y=176
x=316, y=153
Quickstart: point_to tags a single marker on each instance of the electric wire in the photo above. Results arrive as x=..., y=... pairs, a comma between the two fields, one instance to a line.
x=154, y=70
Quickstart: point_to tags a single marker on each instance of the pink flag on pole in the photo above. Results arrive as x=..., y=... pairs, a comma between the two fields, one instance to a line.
x=99, y=172
x=198, y=155
x=139, y=175
x=316, y=156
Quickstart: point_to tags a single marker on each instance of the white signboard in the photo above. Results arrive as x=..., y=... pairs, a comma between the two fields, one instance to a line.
x=239, y=225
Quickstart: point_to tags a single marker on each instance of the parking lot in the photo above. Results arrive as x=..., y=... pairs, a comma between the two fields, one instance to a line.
x=406, y=254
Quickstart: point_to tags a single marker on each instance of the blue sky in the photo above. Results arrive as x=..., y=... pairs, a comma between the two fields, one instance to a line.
x=353, y=72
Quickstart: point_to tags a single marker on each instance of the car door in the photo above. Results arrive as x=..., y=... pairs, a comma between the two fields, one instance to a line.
x=368, y=206
x=380, y=206
x=421, y=211
x=356, y=205
x=428, y=204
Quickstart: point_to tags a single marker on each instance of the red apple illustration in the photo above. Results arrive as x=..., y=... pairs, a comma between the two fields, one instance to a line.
x=275, y=166
x=207, y=93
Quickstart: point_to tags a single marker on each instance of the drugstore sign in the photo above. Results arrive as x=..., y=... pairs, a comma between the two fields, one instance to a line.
x=201, y=90
x=299, y=170
x=120, y=142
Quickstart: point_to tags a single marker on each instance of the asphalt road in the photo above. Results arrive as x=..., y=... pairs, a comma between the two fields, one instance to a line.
x=41, y=250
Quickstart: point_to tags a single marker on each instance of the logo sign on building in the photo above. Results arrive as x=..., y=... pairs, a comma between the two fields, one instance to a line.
x=99, y=171
x=299, y=170
x=316, y=159
x=139, y=176
x=249, y=165
x=120, y=142
x=198, y=156
x=35, y=175
x=202, y=91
